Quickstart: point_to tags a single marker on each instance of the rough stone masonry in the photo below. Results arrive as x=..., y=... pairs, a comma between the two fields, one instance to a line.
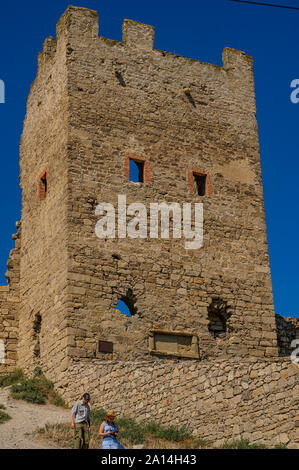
x=203, y=320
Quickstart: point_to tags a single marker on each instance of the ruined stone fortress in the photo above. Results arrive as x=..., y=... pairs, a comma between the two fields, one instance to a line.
x=202, y=347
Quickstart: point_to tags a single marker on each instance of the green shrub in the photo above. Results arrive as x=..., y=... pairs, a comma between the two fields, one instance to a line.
x=170, y=433
x=242, y=444
x=197, y=443
x=135, y=433
x=59, y=401
x=97, y=417
x=37, y=372
x=131, y=430
x=151, y=427
x=2, y=407
x=37, y=389
x=12, y=378
x=29, y=390
x=4, y=417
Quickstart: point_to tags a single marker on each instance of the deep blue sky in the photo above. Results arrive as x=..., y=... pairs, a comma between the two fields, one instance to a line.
x=195, y=29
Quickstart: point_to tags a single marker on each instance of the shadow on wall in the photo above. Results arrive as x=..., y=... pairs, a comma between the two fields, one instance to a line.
x=287, y=330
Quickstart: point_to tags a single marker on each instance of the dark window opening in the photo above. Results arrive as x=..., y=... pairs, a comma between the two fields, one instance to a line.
x=120, y=78
x=200, y=181
x=105, y=347
x=218, y=316
x=136, y=171
x=37, y=324
x=43, y=186
x=126, y=304
x=43, y=181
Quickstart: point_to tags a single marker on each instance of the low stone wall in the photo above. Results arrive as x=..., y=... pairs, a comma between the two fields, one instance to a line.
x=9, y=308
x=8, y=332
x=220, y=401
x=287, y=330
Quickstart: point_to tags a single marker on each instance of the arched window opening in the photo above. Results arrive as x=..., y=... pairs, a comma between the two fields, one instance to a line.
x=218, y=315
x=126, y=304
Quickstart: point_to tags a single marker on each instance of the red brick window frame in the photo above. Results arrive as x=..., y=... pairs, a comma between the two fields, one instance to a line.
x=136, y=158
x=43, y=184
x=192, y=173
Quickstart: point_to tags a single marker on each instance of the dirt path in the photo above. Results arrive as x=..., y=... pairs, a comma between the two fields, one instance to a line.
x=27, y=417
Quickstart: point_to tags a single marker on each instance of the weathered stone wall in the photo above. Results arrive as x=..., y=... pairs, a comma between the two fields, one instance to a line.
x=9, y=307
x=44, y=255
x=94, y=104
x=287, y=330
x=219, y=401
x=126, y=98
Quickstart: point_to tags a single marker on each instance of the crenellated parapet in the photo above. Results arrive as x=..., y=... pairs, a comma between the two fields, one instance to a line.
x=79, y=27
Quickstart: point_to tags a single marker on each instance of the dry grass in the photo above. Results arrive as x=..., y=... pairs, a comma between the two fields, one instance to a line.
x=63, y=436
x=150, y=435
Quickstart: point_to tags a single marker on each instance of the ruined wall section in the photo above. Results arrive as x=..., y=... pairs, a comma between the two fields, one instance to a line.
x=43, y=163
x=220, y=401
x=9, y=308
x=287, y=332
x=130, y=99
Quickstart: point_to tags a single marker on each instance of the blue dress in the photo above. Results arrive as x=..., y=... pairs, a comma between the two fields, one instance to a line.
x=110, y=442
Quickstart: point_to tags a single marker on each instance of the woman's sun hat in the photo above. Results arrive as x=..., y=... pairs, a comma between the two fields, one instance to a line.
x=111, y=414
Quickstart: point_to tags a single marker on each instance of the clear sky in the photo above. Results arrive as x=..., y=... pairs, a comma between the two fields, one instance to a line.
x=199, y=30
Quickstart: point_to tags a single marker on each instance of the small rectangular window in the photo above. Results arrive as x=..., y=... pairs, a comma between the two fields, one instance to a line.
x=36, y=334
x=105, y=347
x=136, y=171
x=137, y=168
x=200, y=181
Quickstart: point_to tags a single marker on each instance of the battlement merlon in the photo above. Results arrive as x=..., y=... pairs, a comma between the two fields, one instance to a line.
x=78, y=21
x=82, y=22
x=135, y=34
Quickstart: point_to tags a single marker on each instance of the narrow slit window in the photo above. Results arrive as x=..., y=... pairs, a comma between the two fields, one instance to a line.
x=136, y=171
x=36, y=334
x=200, y=181
x=43, y=185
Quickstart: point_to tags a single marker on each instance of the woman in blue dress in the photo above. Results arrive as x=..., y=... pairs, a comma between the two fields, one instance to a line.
x=109, y=432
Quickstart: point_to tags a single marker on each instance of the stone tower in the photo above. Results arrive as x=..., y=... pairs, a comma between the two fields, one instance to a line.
x=95, y=105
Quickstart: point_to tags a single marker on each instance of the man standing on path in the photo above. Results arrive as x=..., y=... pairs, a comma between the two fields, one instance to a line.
x=81, y=422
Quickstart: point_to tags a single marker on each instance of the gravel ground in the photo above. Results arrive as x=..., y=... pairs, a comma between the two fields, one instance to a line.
x=27, y=417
